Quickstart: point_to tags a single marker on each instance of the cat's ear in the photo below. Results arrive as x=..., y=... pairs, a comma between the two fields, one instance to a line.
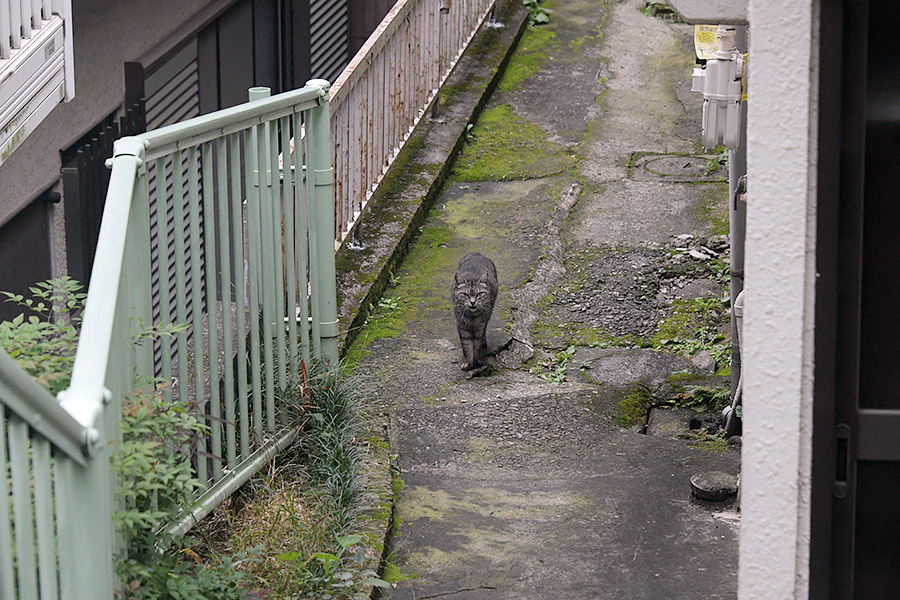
x=484, y=277
x=457, y=278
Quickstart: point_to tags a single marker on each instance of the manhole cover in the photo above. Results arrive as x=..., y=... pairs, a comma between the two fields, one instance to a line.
x=647, y=166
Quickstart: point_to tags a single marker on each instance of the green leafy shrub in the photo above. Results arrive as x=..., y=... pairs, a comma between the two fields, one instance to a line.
x=154, y=472
x=155, y=482
x=43, y=339
x=335, y=575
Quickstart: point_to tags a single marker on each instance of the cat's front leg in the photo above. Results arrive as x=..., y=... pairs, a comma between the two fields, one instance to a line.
x=469, y=348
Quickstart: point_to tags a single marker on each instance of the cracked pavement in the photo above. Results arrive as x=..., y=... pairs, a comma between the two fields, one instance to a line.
x=516, y=487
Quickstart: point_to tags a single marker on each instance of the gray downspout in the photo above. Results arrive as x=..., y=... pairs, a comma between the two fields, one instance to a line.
x=737, y=213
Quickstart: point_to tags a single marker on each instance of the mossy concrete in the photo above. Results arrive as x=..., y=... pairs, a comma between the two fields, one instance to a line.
x=530, y=55
x=504, y=146
x=408, y=190
x=513, y=486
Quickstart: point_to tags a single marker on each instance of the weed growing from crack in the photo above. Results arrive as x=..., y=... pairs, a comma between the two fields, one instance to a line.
x=694, y=326
x=537, y=14
x=553, y=369
x=701, y=398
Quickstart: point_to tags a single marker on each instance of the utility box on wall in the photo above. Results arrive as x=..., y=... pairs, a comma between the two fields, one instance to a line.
x=722, y=84
x=36, y=66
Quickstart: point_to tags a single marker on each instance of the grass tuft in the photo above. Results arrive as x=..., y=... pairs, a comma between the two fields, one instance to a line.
x=301, y=514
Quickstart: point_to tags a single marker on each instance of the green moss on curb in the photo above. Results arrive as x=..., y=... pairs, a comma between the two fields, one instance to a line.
x=397, y=484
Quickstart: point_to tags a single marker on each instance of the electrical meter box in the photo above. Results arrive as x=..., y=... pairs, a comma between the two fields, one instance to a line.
x=721, y=83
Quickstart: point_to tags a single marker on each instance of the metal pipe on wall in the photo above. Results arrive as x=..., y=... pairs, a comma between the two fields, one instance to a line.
x=737, y=218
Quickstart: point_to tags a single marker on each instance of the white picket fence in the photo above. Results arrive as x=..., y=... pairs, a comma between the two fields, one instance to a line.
x=387, y=87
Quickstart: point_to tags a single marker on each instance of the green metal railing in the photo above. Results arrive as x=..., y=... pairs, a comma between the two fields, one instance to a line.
x=223, y=223
x=45, y=444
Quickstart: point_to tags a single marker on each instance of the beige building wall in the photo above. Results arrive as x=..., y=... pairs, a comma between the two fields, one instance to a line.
x=107, y=33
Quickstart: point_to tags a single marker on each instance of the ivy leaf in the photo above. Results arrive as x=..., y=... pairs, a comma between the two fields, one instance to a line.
x=348, y=540
x=381, y=583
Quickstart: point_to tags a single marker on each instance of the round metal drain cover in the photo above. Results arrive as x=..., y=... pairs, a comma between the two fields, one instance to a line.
x=713, y=485
x=646, y=166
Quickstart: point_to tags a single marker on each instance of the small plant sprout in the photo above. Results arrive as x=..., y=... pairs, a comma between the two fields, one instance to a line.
x=553, y=369
x=537, y=14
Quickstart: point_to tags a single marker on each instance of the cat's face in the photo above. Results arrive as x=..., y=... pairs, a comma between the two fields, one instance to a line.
x=473, y=295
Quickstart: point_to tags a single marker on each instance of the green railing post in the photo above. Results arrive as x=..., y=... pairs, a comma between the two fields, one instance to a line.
x=268, y=240
x=104, y=372
x=320, y=182
x=255, y=261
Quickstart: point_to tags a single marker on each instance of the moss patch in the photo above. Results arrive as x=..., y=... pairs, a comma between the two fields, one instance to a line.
x=531, y=53
x=406, y=299
x=709, y=443
x=695, y=324
x=392, y=573
x=633, y=408
x=713, y=209
x=450, y=92
x=550, y=334
x=504, y=146
x=397, y=484
x=577, y=43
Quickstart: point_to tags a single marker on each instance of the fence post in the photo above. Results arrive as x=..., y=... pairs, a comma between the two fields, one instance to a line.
x=104, y=372
x=84, y=526
x=320, y=182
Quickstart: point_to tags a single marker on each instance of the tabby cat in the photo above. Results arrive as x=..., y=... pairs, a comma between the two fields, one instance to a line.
x=474, y=291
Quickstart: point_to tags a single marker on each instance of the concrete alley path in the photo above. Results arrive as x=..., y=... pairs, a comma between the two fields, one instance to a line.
x=532, y=479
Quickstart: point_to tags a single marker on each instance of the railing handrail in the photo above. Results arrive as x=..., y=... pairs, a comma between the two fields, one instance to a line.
x=230, y=120
x=85, y=396
x=21, y=394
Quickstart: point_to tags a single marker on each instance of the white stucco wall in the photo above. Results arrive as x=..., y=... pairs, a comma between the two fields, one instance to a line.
x=780, y=277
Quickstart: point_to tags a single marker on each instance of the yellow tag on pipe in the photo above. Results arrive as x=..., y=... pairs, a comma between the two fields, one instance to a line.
x=706, y=42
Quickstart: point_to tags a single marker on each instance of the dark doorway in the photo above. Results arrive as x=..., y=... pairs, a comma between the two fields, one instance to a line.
x=25, y=248
x=855, y=546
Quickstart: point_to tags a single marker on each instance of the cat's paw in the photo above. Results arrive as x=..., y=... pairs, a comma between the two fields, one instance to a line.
x=469, y=365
